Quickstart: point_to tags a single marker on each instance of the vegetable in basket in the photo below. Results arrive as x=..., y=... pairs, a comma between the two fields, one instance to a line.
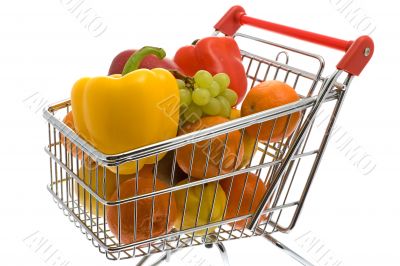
x=119, y=113
x=216, y=55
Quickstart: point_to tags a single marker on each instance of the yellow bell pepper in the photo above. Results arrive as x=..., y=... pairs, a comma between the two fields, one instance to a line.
x=120, y=113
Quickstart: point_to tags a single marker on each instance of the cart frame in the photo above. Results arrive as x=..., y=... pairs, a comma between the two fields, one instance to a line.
x=277, y=163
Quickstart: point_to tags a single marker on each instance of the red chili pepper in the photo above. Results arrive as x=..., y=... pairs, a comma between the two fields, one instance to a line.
x=216, y=55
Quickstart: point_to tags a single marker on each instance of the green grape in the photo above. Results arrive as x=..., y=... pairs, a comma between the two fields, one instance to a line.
x=181, y=84
x=213, y=107
x=186, y=97
x=225, y=106
x=203, y=78
x=214, y=89
x=231, y=96
x=221, y=90
x=192, y=113
x=223, y=80
x=201, y=96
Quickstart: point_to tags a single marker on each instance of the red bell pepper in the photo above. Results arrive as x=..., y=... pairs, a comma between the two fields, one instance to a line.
x=216, y=55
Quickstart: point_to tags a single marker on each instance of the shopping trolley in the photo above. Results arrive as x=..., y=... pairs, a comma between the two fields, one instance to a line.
x=288, y=166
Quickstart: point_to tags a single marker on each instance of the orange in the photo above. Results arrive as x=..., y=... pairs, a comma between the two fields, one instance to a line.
x=248, y=189
x=229, y=159
x=69, y=121
x=267, y=95
x=163, y=217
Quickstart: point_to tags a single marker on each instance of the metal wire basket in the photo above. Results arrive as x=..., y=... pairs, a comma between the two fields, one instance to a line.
x=287, y=167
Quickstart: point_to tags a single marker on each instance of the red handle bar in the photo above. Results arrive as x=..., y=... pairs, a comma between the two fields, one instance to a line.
x=358, y=52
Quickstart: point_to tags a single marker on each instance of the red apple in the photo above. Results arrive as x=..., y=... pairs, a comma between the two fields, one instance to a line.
x=149, y=62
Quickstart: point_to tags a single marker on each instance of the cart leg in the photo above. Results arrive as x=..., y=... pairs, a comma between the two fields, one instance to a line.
x=288, y=251
x=165, y=256
x=223, y=252
x=212, y=241
x=142, y=261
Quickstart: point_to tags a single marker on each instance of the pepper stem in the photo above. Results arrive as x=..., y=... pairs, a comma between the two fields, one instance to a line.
x=135, y=59
x=189, y=81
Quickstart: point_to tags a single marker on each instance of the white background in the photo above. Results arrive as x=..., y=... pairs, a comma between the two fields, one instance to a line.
x=350, y=214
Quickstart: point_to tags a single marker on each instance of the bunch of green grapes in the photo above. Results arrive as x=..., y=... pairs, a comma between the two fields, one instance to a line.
x=210, y=95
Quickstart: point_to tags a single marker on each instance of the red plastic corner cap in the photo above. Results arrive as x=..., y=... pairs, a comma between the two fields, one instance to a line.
x=357, y=56
x=230, y=22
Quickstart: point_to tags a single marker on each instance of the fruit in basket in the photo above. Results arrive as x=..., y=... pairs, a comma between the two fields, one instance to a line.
x=159, y=213
x=249, y=145
x=235, y=113
x=149, y=62
x=216, y=55
x=120, y=113
x=248, y=142
x=205, y=95
x=267, y=95
x=104, y=177
x=199, y=205
x=229, y=158
x=69, y=121
x=245, y=192
x=164, y=170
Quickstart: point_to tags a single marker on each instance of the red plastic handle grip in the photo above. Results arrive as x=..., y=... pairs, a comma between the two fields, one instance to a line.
x=358, y=52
